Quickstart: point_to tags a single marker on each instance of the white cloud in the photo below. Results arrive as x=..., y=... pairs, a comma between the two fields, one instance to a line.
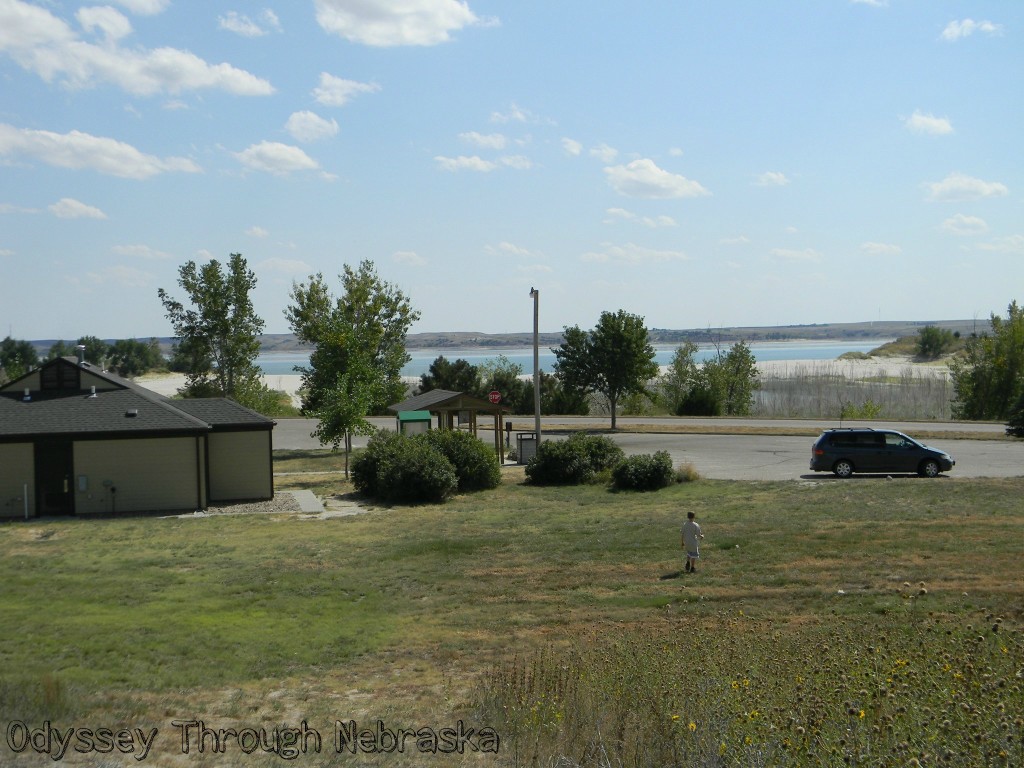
x=772, y=179
x=630, y=253
x=112, y=24
x=6, y=252
x=880, y=249
x=46, y=45
x=9, y=208
x=967, y=27
x=276, y=158
x=257, y=231
x=307, y=126
x=409, y=258
x=959, y=186
x=118, y=275
x=336, y=91
x=736, y=240
x=1011, y=244
x=144, y=7
x=791, y=254
x=69, y=208
x=77, y=150
x=505, y=248
x=386, y=23
x=464, y=163
x=488, y=141
x=919, y=122
x=675, y=152
x=140, y=252
x=517, y=114
x=572, y=147
x=874, y=3
x=242, y=25
x=964, y=225
x=604, y=153
x=642, y=178
x=519, y=162
x=621, y=214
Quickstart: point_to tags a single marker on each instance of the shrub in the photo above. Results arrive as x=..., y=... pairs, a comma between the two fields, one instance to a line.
x=644, y=472
x=366, y=463
x=476, y=465
x=573, y=461
x=413, y=472
x=687, y=473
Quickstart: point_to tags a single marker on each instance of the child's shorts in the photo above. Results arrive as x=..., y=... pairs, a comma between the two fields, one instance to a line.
x=695, y=555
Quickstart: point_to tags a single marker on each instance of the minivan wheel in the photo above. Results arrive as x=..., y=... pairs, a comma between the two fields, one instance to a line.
x=929, y=468
x=843, y=468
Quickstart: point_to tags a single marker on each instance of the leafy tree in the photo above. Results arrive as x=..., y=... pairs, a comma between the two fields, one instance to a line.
x=132, y=357
x=989, y=380
x=221, y=332
x=458, y=376
x=558, y=400
x=932, y=342
x=60, y=349
x=359, y=349
x=733, y=378
x=1015, y=423
x=96, y=350
x=17, y=357
x=503, y=375
x=680, y=378
x=614, y=359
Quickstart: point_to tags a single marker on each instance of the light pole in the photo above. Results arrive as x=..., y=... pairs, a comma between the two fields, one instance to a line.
x=536, y=364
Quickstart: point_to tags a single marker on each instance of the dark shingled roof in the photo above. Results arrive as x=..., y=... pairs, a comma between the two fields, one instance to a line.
x=127, y=409
x=443, y=399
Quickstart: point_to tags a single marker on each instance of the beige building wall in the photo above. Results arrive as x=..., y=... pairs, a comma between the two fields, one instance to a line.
x=240, y=466
x=149, y=474
x=17, y=469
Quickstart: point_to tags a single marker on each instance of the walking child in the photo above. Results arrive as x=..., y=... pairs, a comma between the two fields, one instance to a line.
x=690, y=542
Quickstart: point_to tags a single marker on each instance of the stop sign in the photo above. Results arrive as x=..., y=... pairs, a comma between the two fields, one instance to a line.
x=494, y=396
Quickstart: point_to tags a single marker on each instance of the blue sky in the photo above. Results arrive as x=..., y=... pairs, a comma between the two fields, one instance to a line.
x=700, y=164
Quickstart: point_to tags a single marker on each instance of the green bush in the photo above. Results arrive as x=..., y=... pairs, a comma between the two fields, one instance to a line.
x=367, y=462
x=414, y=472
x=476, y=465
x=573, y=461
x=644, y=472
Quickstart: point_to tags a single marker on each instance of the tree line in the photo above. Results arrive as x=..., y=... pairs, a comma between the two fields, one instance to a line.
x=358, y=342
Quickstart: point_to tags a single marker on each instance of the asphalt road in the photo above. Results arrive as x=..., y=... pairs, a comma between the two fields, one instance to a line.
x=750, y=457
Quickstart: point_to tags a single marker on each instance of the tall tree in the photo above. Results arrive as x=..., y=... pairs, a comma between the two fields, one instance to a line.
x=733, y=377
x=457, y=376
x=17, y=357
x=680, y=378
x=132, y=357
x=221, y=331
x=932, y=341
x=614, y=359
x=359, y=349
x=502, y=375
x=988, y=381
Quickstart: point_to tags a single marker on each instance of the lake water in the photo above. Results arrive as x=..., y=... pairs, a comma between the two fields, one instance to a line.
x=283, y=363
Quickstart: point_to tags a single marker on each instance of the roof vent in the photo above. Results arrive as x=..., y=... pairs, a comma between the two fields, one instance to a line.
x=131, y=413
x=27, y=397
x=80, y=349
x=92, y=393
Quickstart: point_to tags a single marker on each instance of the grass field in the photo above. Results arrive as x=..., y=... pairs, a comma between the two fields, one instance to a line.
x=867, y=622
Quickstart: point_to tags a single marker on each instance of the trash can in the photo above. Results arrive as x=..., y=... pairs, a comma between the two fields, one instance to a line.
x=526, y=446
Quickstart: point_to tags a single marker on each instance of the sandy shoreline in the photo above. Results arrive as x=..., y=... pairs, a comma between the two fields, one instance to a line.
x=168, y=384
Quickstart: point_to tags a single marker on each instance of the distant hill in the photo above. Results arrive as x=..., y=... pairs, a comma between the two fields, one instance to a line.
x=457, y=340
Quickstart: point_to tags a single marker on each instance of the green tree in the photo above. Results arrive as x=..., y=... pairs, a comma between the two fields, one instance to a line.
x=614, y=359
x=60, y=349
x=733, y=378
x=680, y=378
x=503, y=375
x=221, y=333
x=96, y=350
x=132, y=357
x=17, y=357
x=457, y=376
x=989, y=379
x=359, y=350
x=933, y=342
x=558, y=400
